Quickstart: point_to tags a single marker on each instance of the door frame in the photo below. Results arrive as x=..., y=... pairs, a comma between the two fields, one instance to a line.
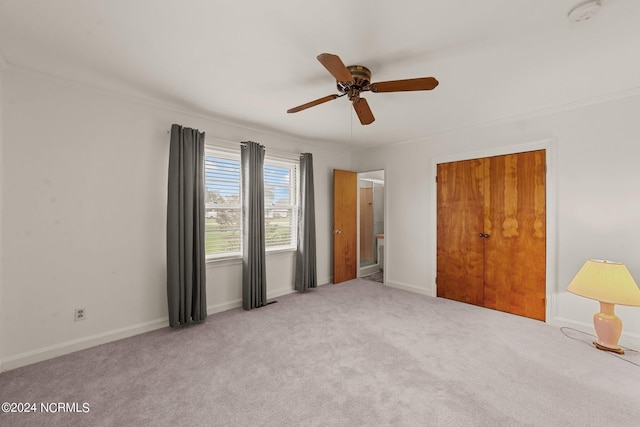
x=384, y=226
x=550, y=147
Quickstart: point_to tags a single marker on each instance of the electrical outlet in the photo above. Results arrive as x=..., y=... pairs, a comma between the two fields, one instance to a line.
x=79, y=314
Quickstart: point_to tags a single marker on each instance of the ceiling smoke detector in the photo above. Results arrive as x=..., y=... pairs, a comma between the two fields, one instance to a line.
x=584, y=11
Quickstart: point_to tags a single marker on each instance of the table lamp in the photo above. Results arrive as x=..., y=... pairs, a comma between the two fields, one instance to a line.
x=609, y=283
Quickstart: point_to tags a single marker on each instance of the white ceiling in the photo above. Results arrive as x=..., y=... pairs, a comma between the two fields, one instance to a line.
x=247, y=62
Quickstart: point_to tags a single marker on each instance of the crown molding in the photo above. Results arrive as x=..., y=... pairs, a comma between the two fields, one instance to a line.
x=621, y=94
x=178, y=108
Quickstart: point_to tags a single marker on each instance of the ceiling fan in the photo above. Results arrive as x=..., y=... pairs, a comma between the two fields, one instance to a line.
x=354, y=79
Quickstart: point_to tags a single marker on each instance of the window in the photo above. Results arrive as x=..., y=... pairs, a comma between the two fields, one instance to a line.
x=223, y=205
x=223, y=213
x=280, y=207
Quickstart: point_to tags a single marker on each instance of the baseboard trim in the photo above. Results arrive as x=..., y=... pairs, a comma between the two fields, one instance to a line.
x=410, y=288
x=628, y=339
x=213, y=309
x=45, y=353
x=276, y=294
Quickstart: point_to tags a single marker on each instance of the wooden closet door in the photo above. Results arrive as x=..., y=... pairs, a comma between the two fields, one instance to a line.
x=460, y=249
x=491, y=242
x=515, y=251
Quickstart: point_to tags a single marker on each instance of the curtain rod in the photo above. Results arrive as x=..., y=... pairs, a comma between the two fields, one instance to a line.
x=229, y=142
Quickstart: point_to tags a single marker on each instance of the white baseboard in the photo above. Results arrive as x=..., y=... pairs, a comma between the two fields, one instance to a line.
x=45, y=353
x=410, y=288
x=213, y=309
x=41, y=354
x=628, y=339
x=276, y=294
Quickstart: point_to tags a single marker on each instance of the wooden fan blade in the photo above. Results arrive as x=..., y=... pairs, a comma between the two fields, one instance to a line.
x=363, y=111
x=312, y=103
x=422, y=83
x=335, y=66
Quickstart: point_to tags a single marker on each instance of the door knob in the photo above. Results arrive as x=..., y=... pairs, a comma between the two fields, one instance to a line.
x=337, y=231
x=484, y=235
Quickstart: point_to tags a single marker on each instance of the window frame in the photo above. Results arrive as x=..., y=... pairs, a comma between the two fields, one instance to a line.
x=226, y=154
x=294, y=192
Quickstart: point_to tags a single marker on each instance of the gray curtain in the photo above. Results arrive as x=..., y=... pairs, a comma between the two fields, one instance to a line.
x=306, y=273
x=254, y=277
x=186, y=276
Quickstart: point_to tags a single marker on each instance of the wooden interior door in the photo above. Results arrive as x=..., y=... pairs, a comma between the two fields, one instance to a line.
x=460, y=248
x=515, y=252
x=345, y=223
x=491, y=242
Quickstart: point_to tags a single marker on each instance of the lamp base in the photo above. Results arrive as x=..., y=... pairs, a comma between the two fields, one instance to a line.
x=608, y=328
x=613, y=350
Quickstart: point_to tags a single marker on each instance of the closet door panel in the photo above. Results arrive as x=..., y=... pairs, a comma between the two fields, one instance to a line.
x=460, y=249
x=515, y=251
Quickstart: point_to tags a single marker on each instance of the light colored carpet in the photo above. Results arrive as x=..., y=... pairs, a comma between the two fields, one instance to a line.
x=354, y=354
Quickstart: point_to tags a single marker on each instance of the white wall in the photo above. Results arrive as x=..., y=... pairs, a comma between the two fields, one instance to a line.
x=85, y=215
x=595, y=152
x=83, y=209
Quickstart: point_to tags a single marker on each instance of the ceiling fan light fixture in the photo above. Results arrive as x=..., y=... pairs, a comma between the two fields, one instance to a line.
x=584, y=11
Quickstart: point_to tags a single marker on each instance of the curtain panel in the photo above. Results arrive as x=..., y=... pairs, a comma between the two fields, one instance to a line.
x=186, y=269
x=254, y=277
x=306, y=272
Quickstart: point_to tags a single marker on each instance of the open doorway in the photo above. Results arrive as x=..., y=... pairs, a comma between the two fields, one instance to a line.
x=371, y=225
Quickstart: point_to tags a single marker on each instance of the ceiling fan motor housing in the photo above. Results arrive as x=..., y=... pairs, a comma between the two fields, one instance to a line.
x=361, y=78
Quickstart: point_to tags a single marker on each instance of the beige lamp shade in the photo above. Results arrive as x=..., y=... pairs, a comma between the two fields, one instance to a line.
x=606, y=281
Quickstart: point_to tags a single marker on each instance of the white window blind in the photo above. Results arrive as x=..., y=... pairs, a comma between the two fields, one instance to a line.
x=223, y=214
x=280, y=205
x=223, y=206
